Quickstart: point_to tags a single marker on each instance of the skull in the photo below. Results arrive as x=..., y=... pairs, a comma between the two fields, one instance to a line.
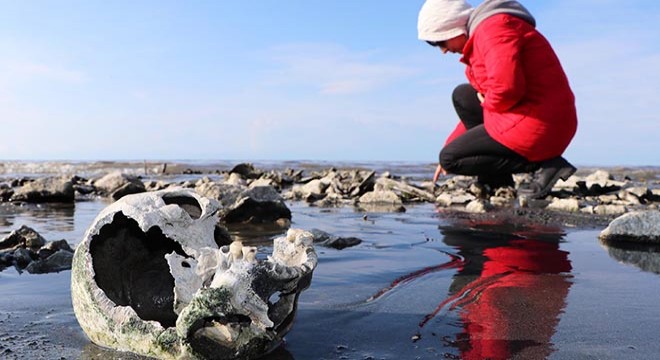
x=150, y=277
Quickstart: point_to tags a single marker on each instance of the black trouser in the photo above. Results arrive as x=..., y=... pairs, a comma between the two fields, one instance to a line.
x=475, y=153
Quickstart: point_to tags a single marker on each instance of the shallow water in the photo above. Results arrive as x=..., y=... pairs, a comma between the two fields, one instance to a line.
x=420, y=286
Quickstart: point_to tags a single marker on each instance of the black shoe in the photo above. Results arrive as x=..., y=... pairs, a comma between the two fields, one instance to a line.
x=551, y=171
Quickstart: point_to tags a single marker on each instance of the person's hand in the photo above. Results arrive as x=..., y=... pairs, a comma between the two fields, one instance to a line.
x=481, y=97
x=438, y=171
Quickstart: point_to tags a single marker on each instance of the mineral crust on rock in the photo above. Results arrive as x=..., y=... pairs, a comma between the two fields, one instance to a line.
x=153, y=277
x=638, y=226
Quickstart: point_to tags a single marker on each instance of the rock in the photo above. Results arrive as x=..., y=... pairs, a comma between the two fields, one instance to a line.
x=53, y=247
x=599, y=182
x=154, y=185
x=311, y=191
x=235, y=179
x=347, y=184
x=263, y=182
x=457, y=198
x=638, y=226
x=352, y=183
x=599, y=176
x=380, y=197
x=6, y=259
x=24, y=236
x=325, y=239
x=24, y=241
x=45, y=190
x=224, y=193
x=22, y=257
x=498, y=201
x=655, y=195
x=456, y=182
x=128, y=189
x=149, y=278
x=381, y=208
x=569, y=185
x=589, y=209
x=607, y=199
x=60, y=260
x=83, y=189
x=428, y=186
x=246, y=171
x=444, y=199
x=117, y=184
x=628, y=198
x=333, y=199
x=261, y=204
x=5, y=192
x=640, y=192
x=568, y=205
x=609, y=209
x=405, y=192
x=478, y=206
x=278, y=179
x=479, y=190
x=506, y=192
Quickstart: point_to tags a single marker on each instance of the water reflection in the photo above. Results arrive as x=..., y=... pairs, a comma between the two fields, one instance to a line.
x=51, y=217
x=646, y=257
x=256, y=234
x=508, y=294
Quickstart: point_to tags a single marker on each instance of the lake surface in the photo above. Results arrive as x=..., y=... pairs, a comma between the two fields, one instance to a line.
x=420, y=286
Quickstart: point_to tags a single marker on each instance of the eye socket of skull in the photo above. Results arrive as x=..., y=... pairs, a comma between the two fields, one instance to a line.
x=131, y=269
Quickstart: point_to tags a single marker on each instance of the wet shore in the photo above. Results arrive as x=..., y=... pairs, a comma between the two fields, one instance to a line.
x=430, y=282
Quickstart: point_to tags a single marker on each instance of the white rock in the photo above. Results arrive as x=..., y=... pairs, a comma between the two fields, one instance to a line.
x=235, y=179
x=568, y=205
x=380, y=197
x=609, y=209
x=607, y=199
x=315, y=187
x=449, y=199
x=478, y=206
x=262, y=182
x=642, y=226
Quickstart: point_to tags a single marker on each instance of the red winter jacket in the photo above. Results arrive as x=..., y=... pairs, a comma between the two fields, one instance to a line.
x=529, y=106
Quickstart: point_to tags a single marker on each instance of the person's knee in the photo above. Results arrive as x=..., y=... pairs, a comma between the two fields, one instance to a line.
x=447, y=160
x=462, y=93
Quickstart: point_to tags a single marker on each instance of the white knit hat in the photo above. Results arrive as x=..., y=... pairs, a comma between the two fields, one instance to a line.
x=441, y=20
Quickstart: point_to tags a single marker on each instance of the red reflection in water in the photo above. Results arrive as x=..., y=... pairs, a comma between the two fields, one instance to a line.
x=509, y=290
x=511, y=306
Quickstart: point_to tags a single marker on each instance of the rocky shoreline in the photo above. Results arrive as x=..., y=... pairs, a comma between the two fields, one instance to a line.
x=592, y=198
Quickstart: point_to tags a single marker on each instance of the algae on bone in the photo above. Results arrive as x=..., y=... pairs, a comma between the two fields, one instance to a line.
x=150, y=278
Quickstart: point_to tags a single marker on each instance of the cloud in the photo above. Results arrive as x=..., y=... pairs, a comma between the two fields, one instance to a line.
x=333, y=69
x=19, y=71
x=616, y=91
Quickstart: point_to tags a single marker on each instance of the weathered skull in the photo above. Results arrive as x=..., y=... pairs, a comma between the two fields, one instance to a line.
x=150, y=278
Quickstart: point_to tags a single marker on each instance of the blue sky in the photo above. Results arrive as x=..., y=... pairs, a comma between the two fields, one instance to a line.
x=293, y=80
